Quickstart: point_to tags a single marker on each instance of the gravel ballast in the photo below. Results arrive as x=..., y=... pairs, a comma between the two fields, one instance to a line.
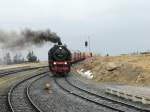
x=56, y=100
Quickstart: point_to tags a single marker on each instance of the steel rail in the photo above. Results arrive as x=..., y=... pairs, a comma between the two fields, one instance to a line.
x=17, y=71
x=13, y=87
x=28, y=94
x=106, y=98
x=82, y=97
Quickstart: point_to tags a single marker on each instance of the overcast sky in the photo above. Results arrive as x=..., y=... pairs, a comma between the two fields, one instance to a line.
x=115, y=26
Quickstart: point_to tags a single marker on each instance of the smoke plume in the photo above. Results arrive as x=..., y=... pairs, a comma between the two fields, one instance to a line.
x=27, y=38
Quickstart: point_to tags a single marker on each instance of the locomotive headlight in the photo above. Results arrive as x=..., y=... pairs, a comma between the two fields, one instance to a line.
x=60, y=47
x=54, y=63
x=65, y=63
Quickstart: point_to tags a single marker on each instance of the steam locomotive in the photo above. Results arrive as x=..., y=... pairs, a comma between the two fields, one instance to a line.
x=60, y=59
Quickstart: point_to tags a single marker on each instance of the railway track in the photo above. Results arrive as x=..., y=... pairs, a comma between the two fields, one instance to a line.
x=19, y=98
x=12, y=77
x=30, y=97
x=108, y=103
x=9, y=72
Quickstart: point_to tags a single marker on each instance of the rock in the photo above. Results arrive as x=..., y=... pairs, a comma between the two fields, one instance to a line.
x=112, y=66
x=47, y=86
x=140, y=78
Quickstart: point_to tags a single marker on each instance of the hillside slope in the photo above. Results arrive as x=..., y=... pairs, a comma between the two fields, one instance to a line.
x=127, y=69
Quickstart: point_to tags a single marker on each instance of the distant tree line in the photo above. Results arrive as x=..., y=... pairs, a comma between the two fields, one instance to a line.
x=31, y=57
x=18, y=58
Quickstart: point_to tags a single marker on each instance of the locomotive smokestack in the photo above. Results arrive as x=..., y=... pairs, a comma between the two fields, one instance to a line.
x=59, y=42
x=27, y=38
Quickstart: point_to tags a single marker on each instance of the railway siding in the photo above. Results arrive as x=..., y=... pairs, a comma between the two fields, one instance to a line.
x=14, y=77
x=9, y=78
x=18, y=95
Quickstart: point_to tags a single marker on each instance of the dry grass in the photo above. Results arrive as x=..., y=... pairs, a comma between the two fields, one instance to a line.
x=133, y=69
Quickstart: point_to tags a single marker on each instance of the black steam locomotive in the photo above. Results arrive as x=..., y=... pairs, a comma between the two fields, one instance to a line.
x=59, y=59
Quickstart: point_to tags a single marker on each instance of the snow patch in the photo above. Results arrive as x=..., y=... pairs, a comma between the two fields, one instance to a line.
x=87, y=74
